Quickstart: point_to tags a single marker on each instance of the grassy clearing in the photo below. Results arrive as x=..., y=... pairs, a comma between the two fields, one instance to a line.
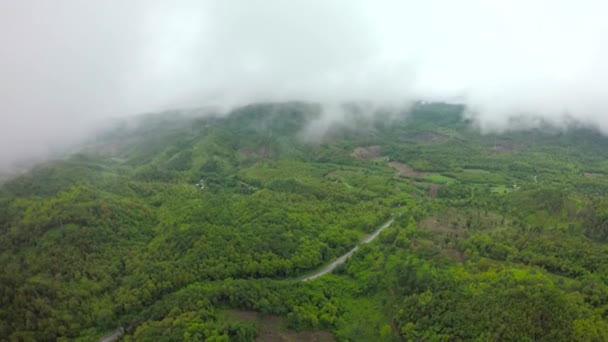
x=479, y=176
x=501, y=189
x=438, y=179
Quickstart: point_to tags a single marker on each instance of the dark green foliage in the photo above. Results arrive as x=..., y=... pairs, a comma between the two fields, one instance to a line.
x=501, y=307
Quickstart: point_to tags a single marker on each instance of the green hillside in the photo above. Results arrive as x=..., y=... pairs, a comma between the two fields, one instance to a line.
x=181, y=227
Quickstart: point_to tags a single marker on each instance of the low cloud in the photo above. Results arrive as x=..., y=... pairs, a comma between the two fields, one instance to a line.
x=67, y=65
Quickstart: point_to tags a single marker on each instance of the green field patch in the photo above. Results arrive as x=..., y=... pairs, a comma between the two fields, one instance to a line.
x=478, y=176
x=382, y=159
x=438, y=179
x=476, y=170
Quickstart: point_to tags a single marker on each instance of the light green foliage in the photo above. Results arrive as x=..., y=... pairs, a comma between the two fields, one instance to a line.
x=159, y=228
x=438, y=179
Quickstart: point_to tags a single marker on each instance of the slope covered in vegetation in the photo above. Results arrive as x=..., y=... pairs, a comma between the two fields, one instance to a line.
x=166, y=228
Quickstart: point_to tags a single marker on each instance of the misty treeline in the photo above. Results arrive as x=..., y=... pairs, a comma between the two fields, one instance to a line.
x=165, y=228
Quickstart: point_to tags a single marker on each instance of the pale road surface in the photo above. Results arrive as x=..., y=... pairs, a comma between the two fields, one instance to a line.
x=343, y=258
x=116, y=334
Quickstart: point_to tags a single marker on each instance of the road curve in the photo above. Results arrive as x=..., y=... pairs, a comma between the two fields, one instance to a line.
x=344, y=257
x=116, y=334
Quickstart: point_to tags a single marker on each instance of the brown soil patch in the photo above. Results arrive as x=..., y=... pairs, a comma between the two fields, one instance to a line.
x=404, y=170
x=505, y=148
x=446, y=233
x=454, y=254
x=273, y=329
x=594, y=175
x=292, y=336
x=245, y=315
x=437, y=225
x=258, y=152
x=367, y=153
x=432, y=189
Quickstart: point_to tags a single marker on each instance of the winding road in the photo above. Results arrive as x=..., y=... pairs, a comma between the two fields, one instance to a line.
x=113, y=336
x=116, y=334
x=344, y=257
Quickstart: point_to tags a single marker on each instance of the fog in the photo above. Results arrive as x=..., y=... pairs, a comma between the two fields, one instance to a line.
x=68, y=65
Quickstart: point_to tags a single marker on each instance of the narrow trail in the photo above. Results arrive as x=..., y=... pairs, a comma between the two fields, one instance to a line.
x=342, y=259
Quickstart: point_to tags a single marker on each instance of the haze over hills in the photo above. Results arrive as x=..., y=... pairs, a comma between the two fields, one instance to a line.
x=306, y=170
x=190, y=228
x=70, y=65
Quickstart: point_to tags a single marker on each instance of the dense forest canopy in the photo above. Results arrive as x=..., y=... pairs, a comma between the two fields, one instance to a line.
x=200, y=228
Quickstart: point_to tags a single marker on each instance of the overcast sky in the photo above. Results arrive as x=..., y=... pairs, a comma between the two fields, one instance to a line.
x=66, y=64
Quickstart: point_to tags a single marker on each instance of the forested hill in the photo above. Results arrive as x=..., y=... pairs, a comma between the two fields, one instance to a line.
x=183, y=227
